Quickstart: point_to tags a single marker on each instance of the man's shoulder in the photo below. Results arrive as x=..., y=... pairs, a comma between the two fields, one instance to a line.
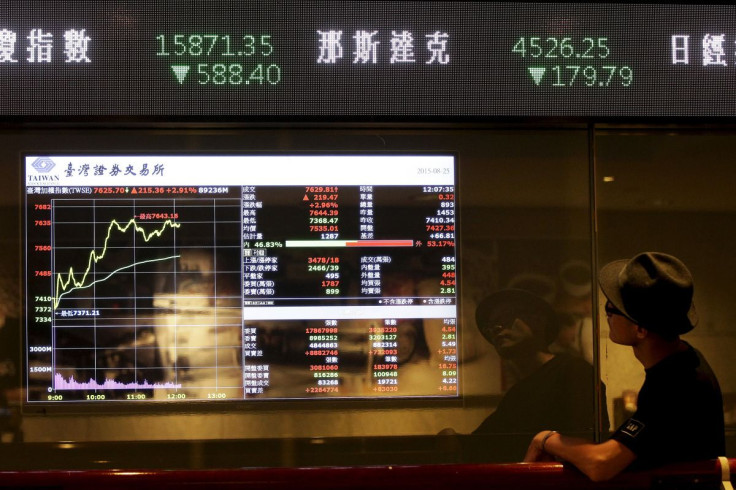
x=686, y=369
x=703, y=368
x=684, y=389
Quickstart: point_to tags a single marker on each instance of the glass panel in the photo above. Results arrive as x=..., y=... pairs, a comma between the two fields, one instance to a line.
x=671, y=192
x=145, y=300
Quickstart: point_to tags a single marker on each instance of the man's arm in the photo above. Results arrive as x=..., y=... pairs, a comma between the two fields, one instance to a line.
x=598, y=461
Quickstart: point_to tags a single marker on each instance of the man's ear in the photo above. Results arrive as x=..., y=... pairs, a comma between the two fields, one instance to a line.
x=641, y=332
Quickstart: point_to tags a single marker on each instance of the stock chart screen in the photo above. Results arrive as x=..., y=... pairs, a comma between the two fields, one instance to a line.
x=306, y=59
x=230, y=277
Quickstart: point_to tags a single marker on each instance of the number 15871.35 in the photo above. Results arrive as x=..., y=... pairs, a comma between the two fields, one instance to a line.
x=214, y=45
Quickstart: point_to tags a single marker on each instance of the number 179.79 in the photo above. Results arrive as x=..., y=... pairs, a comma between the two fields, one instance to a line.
x=590, y=76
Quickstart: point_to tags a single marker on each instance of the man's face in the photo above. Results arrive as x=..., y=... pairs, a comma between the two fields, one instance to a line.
x=509, y=334
x=622, y=330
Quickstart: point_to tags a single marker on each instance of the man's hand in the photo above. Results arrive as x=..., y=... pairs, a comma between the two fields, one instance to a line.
x=535, y=453
x=599, y=461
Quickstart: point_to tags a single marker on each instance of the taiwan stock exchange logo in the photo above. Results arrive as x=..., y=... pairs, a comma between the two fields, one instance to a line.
x=43, y=165
x=41, y=176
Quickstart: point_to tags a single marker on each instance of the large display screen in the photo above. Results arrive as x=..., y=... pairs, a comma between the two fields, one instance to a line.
x=228, y=277
x=393, y=59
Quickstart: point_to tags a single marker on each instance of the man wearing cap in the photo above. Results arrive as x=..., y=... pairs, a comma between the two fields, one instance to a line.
x=679, y=414
x=552, y=390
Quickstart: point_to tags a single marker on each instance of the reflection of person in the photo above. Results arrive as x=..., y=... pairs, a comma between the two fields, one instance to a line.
x=574, y=306
x=680, y=409
x=553, y=390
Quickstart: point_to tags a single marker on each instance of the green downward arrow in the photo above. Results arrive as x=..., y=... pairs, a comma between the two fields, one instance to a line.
x=181, y=72
x=537, y=74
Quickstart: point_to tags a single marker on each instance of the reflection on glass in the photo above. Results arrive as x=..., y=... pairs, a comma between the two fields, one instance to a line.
x=522, y=212
x=552, y=390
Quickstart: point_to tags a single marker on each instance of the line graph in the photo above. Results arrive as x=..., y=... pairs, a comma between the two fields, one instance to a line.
x=62, y=287
x=145, y=296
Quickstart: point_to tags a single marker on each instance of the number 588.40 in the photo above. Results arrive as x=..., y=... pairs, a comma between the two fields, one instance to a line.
x=237, y=74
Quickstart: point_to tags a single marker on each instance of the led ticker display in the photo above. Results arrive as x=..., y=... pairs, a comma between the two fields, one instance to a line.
x=175, y=278
x=238, y=60
x=584, y=62
x=358, y=60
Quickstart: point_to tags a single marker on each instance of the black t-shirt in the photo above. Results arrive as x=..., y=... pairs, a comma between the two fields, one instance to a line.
x=560, y=395
x=679, y=414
